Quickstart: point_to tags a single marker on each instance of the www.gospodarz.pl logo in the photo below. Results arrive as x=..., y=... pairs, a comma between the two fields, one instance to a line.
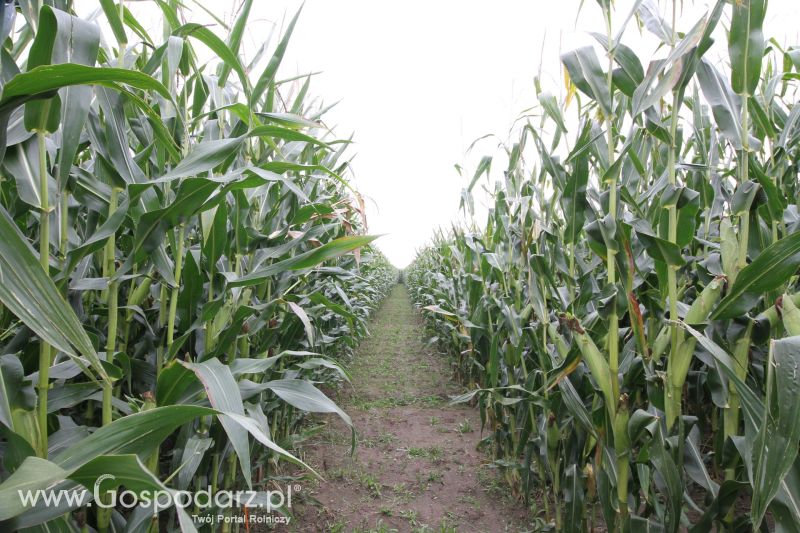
x=160, y=499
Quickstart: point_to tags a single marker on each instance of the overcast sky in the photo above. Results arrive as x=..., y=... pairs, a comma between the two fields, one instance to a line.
x=418, y=81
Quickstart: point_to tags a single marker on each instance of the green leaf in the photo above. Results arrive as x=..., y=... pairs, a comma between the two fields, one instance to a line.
x=550, y=105
x=587, y=74
x=34, y=474
x=651, y=17
x=111, y=11
x=43, y=81
x=776, y=202
x=228, y=57
x=173, y=383
x=319, y=298
x=303, y=395
x=303, y=316
x=630, y=73
x=746, y=44
x=215, y=233
x=28, y=292
x=218, y=383
x=235, y=39
x=15, y=391
x=673, y=487
x=775, y=446
x=670, y=71
x=255, y=430
x=137, y=433
x=204, y=157
x=302, y=261
x=63, y=38
x=22, y=162
x=771, y=269
x=286, y=134
x=573, y=499
x=268, y=75
x=152, y=227
x=99, y=238
x=44, y=115
x=785, y=508
x=290, y=120
x=484, y=167
x=725, y=105
x=573, y=199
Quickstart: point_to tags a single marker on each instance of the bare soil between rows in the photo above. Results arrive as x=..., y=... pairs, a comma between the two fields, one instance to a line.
x=416, y=467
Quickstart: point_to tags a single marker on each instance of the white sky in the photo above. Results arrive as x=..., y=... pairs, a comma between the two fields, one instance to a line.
x=418, y=81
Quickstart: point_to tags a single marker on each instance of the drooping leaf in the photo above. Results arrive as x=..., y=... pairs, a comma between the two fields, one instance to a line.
x=587, y=74
x=302, y=261
x=43, y=81
x=28, y=292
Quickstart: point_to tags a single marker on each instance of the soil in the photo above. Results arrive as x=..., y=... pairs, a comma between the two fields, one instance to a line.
x=416, y=467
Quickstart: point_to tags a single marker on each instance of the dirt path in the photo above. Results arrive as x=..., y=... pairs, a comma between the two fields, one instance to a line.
x=416, y=467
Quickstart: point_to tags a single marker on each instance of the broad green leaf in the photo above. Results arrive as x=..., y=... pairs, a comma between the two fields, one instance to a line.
x=98, y=239
x=573, y=200
x=225, y=54
x=34, y=474
x=290, y=120
x=152, y=227
x=215, y=233
x=63, y=38
x=302, y=261
x=668, y=470
x=648, y=11
x=725, y=105
x=128, y=471
x=22, y=162
x=775, y=447
x=746, y=45
x=15, y=391
x=484, y=167
x=303, y=316
x=303, y=395
x=218, y=383
x=771, y=269
x=255, y=430
x=175, y=385
x=44, y=115
x=193, y=453
x=42, y=81
x=28, y=292
x=286, y=134
x=630, y=73
x=138, y=433
x=587, y=74
x=204, y=157
x=319, y=298
x=667, y=72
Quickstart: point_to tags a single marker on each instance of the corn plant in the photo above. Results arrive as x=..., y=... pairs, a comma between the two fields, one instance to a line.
x=175, y=262
x=626, y=315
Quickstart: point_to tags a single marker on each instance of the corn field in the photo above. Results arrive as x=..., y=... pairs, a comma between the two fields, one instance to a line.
x=176, y=274
x=186, y=273
x=626, y=316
